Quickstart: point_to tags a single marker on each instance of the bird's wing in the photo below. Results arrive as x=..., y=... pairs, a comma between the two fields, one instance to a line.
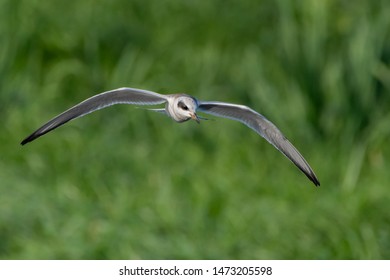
x=263, y=127
x=99, y=101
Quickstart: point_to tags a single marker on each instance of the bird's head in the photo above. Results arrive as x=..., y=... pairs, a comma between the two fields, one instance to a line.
x=185, y=107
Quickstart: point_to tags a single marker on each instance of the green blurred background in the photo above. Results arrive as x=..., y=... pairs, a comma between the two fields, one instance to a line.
x=126, y=183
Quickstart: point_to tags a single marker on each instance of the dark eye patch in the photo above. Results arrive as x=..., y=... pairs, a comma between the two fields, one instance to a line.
x=182, y=106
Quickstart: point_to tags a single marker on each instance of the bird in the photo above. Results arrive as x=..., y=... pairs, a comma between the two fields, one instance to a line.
x=182, y=107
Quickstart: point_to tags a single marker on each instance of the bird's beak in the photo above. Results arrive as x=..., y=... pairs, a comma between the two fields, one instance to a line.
x=195, y=117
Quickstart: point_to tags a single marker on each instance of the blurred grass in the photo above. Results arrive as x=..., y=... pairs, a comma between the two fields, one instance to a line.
x=126, y=183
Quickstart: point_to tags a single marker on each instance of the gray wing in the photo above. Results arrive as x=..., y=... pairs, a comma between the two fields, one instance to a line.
x=263, y=127
x=100, y=101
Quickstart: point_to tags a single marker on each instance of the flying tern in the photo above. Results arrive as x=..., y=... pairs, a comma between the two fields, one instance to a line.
x=181, y=108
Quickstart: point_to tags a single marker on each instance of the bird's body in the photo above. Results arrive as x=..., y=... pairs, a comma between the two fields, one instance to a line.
x=181, y=108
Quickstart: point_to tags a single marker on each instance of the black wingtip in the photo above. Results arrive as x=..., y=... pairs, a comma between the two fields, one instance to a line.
x=314, y=179
x=28, y=139
x=311, y=176
x=25, y=141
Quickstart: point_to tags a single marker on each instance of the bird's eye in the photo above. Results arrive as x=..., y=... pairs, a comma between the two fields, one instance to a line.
x=183, y=106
